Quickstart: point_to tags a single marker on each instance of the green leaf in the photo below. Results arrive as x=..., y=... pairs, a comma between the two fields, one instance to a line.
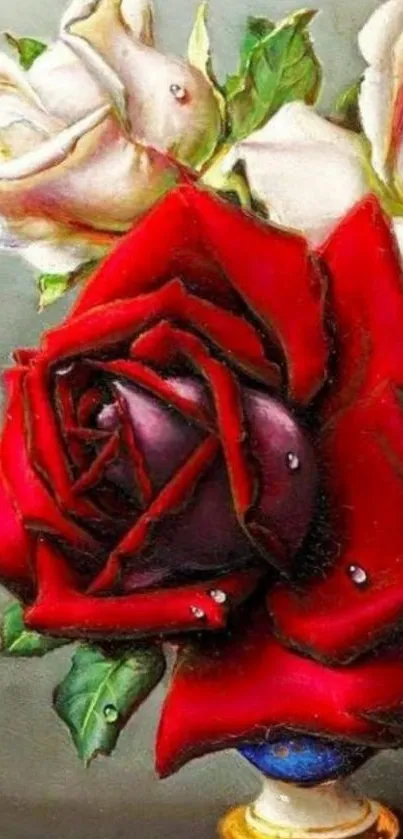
x=28, y=49
x=101, y=691
x=199, y=51
x=347, y=106
x=53, y=286
x=281, y=67
x=256, y=29
x=199, y=55
x=17, y=640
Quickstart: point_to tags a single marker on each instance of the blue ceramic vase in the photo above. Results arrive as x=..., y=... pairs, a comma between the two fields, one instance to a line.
x=305, y=760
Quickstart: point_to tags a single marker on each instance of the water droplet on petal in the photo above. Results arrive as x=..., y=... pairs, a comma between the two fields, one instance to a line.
x=218, y=596
x=64, y=371
x=197, y=612
x=293, y=461
x=111, y=713
x=178, y=92
x=358, y=575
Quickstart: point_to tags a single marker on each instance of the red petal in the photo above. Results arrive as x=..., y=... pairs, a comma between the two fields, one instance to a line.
x=15, y=542
x=46, y=449
x=272, y=270
x=141, y=375
x=96, y=471
x=34, y=503
x=133, y=452
x=169, y=343
x=61, y=609
x=269, y=269
x=233, y=336
x=66, y=411
x=24, y=355
x=117, y=321
x=175, y=343
x=165, y=244
x=362, y=448
x=172, y=497
x=233, y=690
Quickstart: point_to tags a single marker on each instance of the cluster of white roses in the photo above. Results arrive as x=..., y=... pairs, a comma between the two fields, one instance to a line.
x=83, y=133
x=91, y=135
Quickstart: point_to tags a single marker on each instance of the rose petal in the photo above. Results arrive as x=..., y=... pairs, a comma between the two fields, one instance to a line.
x=67, y=172
x=61, y=609
x=62, y=258
x=264, y=265
x=235, y=337
x=138, y=16
x=36, y=506
x=52, y=151
x=118, y=321
x=381, y=45
x=139, y=81
x=306, y=170
x=50, y=246
x=174, y=496
x=98, y=467
x=261, y=263
x=269, y=687
x=146, y=378
x=169, y=346
x=397, y=224
x=163, y=245
x=15, y=543
x=226, y=395
x=45, y=443
x=359, y=599
x=134, y=452
x=13, y=79
x=64, y=85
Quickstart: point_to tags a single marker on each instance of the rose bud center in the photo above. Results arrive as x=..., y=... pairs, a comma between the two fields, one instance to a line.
x=204, y=536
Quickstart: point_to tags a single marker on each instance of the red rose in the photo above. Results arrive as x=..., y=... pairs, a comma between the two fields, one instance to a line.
x=212, y=437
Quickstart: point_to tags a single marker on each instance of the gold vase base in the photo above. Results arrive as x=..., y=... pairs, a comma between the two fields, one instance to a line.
x=236, y=826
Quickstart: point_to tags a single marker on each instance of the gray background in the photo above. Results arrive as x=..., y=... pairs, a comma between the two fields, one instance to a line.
x=44, y=791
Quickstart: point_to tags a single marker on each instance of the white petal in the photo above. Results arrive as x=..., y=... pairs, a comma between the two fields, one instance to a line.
x=66, y=88
x=306, y=170
x=142, y=83
x=76, y=10
x=84, y=27
x=380, y=33
x=13, y=108
x=115, y=182
x=376, y=104
x=138, y=16
x=380, y=44
x=61, y=250
x=12, y=77
x=398, y=229
x=8, y=239
x=62, y=258
x=24, y=123
x=52, y=151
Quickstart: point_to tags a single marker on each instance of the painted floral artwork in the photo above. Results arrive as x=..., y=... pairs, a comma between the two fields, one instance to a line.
x=202, y=463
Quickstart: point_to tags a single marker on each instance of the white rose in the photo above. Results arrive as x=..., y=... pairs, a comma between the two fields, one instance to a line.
x=90, y=135
x=309, y=171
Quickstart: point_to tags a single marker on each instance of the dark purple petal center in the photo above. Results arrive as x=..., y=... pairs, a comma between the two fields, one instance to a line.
x=204, y=536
